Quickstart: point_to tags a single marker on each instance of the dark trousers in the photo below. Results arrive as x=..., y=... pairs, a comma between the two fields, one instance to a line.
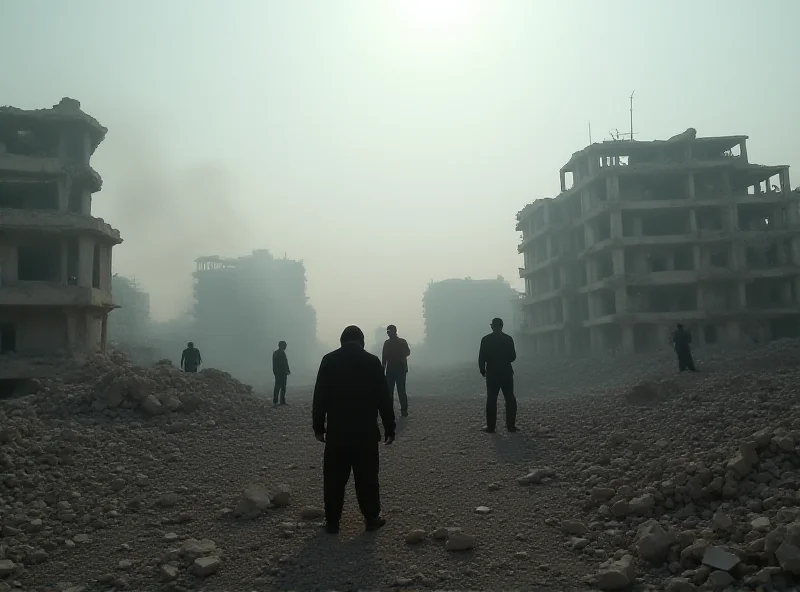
x=685, y=361
x=280, y=388
x=190, y=368
x=339, y=460
x=493, y=387
x=398, y=377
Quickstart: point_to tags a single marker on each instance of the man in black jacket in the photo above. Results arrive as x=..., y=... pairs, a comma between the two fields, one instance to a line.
x=280, y=368
x=682, y=342
x=350, y=392
x=494, y=361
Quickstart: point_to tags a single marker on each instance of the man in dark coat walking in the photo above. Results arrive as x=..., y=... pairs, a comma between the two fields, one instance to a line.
x=494, y=361
x=682, y=342
x=350, y=393
x=395, y=363
x=280, y=368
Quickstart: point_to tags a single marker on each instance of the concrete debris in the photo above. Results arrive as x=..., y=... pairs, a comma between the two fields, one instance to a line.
x=97, y=490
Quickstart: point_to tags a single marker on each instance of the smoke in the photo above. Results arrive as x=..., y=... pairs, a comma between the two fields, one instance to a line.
x=168, y=213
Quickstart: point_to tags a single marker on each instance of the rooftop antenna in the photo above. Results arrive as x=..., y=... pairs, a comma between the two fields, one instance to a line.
x=590, y=133
x=631, y=98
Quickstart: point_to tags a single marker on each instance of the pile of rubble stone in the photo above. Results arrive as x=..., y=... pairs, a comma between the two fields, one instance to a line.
x=115, y=387
x=693, y=483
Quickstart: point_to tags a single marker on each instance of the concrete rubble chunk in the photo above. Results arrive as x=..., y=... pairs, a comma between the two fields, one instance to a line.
x=574, y=527
x=7, y=567
x=205, y=566
x=719, y=558
x=616, y=574
x=653, y=542
x=280, y=496
x=788, y=556
x=255, y=499
x=415, y=536
x=197, y=548
x=459, y=541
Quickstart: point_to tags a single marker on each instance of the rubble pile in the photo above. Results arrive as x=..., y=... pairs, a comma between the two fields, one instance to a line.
x=693, y=484
x=120, y=477
x=113, y=386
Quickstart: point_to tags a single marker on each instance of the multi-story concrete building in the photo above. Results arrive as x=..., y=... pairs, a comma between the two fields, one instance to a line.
x=645, y=235
x=457, y=313
x=55, y=258
x=244, y=306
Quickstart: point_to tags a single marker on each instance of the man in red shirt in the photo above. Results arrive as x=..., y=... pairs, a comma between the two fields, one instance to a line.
x=395, y=365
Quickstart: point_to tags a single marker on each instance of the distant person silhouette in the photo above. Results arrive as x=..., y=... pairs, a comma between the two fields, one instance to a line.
x=350, y=393
x=280, y=368
x=682, y=342
x=494, y=361
x=190, y=358
x=395, y=365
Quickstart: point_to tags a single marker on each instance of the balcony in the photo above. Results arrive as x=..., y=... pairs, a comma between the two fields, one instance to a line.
x=52, y=294
x=55, y=221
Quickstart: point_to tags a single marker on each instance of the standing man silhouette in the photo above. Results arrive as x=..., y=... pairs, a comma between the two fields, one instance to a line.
x=349, y=395
x=191, y=358
x=494, y=361
x=280, y=368
x=395, y=366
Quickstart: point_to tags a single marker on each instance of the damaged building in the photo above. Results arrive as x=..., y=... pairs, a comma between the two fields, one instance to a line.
x=457, y=313
x=55, y=258
x=244, y=306
x=645, y=235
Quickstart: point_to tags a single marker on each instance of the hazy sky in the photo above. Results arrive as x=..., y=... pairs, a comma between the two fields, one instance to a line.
x=386, y=143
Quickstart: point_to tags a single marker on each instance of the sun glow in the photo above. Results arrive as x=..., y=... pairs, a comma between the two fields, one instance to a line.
x=439, y=15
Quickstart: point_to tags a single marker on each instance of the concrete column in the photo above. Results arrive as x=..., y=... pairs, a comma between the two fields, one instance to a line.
x=690, y=186
x=616, y=224
x=670, y=262
x=621, y=300
x=618, y=261
x=743, y=150
x=85, y=261
x=726, y=184
x=741, y=298
x=64, y=257
x=591, y=271
x=64, y=185
x=104, y=332
x=592, y=306
x=627, y=339
x=795, y=251
x=565, y=310
x=105, y=268
x=785, y=186
x=701, y=304
x=733, y=218
x=637, y=226
x=612, y=188
x=698, y=257
x=11, y=264
x=786, y=294
x=693, y=220
x=588, y=234
x=738, y=259
x=86, y=203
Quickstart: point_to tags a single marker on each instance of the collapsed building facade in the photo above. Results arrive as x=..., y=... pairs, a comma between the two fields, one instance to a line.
x=244, y=306
x=55, y=258
x=645, y=235
x=457, y=313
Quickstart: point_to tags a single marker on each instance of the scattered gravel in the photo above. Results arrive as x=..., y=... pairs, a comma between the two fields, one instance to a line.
x=624, y=474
